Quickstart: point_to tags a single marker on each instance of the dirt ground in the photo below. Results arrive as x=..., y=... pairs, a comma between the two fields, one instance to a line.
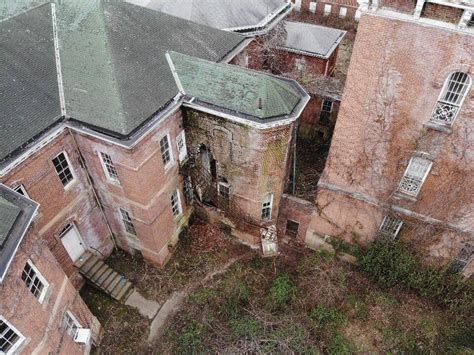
x=298, y=302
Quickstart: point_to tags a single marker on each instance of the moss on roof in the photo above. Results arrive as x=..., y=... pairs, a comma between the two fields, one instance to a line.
x=231, y=87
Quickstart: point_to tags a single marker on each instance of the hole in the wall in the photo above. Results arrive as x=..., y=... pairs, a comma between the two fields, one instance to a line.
x=292, y=228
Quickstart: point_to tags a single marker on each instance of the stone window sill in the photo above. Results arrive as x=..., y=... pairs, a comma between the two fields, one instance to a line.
x=438, y=127
x=402, y=196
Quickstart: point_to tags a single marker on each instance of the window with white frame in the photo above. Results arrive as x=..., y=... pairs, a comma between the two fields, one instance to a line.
x=34, y=281
x=312, y=6
x=61, y=164
x=415, y=175
x=21, y=190
x=327, y=9
x=165, y=150
x=71, y=324
x=224, y=194
x=267, y=205
x=300, y=64
x=10, y=337
x=452, y=96
x=127, y=222
x=390, y=227
x=342, y=12
x=464, y=257
x=175, y=203
x=326, y=108
x=109, y=167
x=181, y=144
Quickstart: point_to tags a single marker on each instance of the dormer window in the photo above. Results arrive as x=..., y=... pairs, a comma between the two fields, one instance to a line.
x=454, y=92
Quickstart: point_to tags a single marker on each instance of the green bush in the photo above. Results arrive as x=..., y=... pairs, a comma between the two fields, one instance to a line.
x=282, y=291
x=190, y=341
x=246, y=327
x=339, y=345
x=324, y=316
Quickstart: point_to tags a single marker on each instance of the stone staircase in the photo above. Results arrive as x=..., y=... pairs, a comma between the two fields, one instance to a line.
x=104, y=277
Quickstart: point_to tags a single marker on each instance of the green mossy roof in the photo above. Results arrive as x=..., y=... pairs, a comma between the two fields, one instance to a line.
x=8, y=215
x=234, y=88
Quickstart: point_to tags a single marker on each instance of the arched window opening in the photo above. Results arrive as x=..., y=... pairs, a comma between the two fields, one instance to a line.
x=454, y=92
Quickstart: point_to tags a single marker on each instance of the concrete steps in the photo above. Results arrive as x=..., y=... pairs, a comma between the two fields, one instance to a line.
x=104, y=277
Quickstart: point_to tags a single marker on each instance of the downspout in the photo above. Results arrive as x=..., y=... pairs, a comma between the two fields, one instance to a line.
x=96, y=196
x=293, y=190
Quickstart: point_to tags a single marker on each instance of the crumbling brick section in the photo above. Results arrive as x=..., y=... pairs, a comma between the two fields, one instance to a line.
x=441, y=12
x=294, y=217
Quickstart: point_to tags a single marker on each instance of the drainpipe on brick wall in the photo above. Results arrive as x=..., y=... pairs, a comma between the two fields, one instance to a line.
x=295, y=129
x=96, y=196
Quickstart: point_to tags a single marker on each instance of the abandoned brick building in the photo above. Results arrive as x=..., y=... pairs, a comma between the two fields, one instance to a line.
x=401, y=158
x=343, y=9
x=108, y=135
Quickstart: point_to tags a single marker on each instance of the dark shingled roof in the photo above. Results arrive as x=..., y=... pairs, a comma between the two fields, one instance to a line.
x=16, y=214
x=114, y=71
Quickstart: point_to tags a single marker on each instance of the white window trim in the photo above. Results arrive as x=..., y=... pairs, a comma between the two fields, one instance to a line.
x=441, y=94
x=322, y=105
x=22, y=188
x=106, y=172
x=430, y=165
x=343, y=12
x=131, y=221
x=182, y=154
x=392, y=235
x=270, y=207
x=300, y=64
x=169, y=164
x=41, y=278
x=76, y=322
x=73, y=173
x=325, y=10
x=180, y=207
x=21, y=337
x=312, y=6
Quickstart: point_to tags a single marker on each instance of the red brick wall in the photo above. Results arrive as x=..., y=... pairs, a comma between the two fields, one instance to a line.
x=335, y=8
x=400, y=5
x=41, y=324
x=441, y=12
x=144, y=191
x=309, y=123
x=58, y=205
x=297, y=210
x=314, y=65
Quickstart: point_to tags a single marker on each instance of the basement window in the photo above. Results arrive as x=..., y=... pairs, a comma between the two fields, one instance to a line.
x=127, y=222
x=71, y=324
x=62, y=166
x=34, y=281
x=292, y=228
x=452, y=96
x=165, y=150
x=464, y=257
x=176, y=203
x=10, y=338
x=414, y=176
x=390, y=227
x=267, y=205
x=109, y=168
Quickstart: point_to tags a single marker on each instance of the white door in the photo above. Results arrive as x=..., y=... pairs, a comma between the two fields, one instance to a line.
x=73, y=243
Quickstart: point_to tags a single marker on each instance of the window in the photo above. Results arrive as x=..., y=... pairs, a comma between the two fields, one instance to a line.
x=464, y=257
x=175, y=203
x=454, y=92
x=292, y=228
x=181, y=144
x=21, y=190
x=127, y=222
x=188, y=190
x=390, y=227
x=109, y=167
x=10, y=338
x=327, y=9
x=34, y=281
x=63, y=170
x=165, y=150
x=300, y=64
x=415, y=175
x=325, y=116
x=312, y=6
x=71, y=324
x=224, y=194
x=267, y=205
x=343, y=12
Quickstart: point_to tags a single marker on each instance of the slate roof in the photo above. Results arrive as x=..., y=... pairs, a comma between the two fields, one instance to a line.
x=250, y=94
x=222, y=14
x=311, y=39
x=113, y=66
x=16, y=214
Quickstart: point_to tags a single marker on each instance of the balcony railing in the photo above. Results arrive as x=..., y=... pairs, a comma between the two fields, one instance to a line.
x=444, y=113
